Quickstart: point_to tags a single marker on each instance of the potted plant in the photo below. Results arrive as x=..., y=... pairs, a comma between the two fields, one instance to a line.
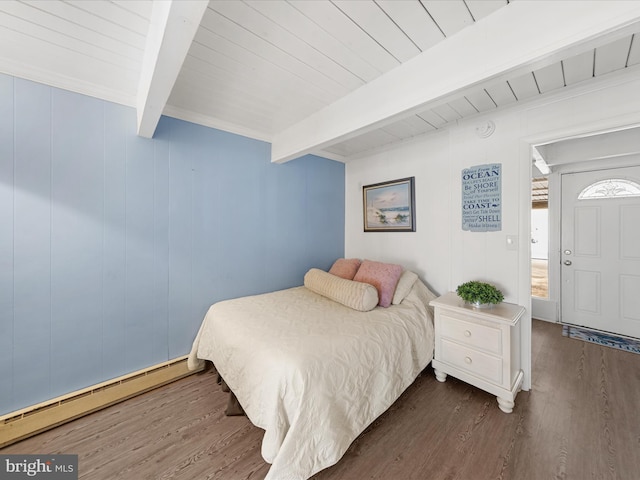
x=479, y=294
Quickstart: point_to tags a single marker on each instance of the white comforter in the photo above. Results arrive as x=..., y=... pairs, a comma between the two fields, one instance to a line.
x=311, y=372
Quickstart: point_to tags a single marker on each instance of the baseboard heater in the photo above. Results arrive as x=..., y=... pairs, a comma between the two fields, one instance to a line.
x=35, y=419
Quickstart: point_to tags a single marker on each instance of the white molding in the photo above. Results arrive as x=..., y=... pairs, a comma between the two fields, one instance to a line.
x=56, y=80
x=172, y=28
x=207, y=121
x=329, y=156
x=524, y=259
x=509, y=41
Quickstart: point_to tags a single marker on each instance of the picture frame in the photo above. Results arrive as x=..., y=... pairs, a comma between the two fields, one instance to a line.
x=389, y=206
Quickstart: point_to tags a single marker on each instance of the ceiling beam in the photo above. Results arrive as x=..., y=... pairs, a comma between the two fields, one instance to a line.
x=518, y=38
x=615, y=144
x=173, y=26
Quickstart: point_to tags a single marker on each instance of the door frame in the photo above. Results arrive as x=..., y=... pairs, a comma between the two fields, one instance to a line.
x=525, y=155
x=551, y=305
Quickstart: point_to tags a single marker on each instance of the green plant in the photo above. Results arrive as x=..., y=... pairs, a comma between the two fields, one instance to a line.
x=479, y=292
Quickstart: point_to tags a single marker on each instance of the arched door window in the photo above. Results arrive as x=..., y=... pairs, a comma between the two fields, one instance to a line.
x=610, y=188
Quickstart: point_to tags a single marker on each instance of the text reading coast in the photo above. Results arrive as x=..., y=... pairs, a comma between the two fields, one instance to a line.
x=474, y=206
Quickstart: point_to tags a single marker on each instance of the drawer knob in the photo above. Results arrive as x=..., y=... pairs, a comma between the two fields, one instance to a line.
x=467, y=333
x=468, y=360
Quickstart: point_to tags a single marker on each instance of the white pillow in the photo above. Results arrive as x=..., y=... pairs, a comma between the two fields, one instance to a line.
x=405, y=284
x=357, y=295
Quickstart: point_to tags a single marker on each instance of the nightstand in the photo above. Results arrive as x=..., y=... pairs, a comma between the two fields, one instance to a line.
x=480, y=346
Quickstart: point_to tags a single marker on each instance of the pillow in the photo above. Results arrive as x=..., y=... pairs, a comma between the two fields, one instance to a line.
x=405, y=284
x=383, y=276
x=356, y=295
x=345, y=267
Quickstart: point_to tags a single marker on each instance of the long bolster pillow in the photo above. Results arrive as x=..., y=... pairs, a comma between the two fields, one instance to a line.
x=357, y=295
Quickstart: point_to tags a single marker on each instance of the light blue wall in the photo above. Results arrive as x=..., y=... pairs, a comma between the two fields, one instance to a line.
x=112, y=246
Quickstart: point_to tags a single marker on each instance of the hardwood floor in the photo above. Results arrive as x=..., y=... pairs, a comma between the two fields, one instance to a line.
x=539, y=277
x=579, y=421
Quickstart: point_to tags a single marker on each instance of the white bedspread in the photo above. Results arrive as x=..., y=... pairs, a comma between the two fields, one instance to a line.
x=311, y=372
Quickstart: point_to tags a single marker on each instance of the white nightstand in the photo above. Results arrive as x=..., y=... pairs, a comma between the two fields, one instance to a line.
x=480, y=346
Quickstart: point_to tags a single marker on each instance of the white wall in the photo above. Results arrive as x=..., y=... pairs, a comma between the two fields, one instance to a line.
x=440, y=251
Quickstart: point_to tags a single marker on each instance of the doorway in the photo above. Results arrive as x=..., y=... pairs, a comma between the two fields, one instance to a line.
x=600, y=250
x=597, y=151
x=540, y=237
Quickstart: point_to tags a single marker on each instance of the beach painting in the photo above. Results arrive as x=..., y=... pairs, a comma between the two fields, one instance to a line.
x=389, y=206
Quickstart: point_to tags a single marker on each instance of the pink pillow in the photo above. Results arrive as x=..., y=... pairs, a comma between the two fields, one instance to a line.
x=383, y=276
x=345, y=267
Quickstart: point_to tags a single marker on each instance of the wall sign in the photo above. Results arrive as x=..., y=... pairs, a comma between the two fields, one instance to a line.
x=482, y=198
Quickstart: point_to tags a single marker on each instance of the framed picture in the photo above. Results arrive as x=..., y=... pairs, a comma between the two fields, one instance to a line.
x=389, y=206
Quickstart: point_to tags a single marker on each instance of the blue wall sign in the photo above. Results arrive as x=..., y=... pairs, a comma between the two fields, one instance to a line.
x=482, y=198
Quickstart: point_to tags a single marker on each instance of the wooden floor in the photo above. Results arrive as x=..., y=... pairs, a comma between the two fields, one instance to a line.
x=581, y=420
x=539, y=277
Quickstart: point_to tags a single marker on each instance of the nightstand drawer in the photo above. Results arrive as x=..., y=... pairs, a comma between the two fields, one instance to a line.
x=472, y=334
x=472, y=361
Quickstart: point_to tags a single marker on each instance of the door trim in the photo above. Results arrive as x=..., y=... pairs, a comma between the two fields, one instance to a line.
x=526, y=144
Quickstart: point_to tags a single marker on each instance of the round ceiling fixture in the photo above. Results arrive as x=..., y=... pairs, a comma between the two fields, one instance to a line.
x=486, y=129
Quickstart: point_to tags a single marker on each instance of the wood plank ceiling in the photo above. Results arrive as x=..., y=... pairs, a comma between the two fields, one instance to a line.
x=257, y=67
x=539, y=193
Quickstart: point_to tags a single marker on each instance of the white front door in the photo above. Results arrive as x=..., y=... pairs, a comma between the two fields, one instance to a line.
x=600, y=250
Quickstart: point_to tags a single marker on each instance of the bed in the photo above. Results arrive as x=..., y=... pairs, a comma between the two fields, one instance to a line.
x=312, y=370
